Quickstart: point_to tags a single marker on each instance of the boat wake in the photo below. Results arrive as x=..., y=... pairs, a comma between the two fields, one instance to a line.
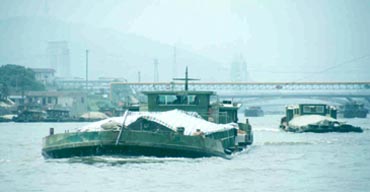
x=242, y=152
x=118, y=160
x=4, y=161
x=312, y=142
x=288, y=143
x=266, y=129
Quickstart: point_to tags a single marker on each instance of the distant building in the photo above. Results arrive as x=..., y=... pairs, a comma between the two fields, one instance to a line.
x=74, y=101
x=44, y=75
x=59, y=58
x=238, y=71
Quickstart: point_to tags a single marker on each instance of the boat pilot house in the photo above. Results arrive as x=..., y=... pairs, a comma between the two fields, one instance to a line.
x=205, y=103
x=310, y=109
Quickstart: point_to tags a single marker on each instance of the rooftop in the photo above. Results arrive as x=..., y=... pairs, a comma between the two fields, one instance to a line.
x=56, y=93
x=43, y=70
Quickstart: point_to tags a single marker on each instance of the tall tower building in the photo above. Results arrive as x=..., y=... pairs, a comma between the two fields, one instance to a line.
x=59, y=58
x=156, y=73
x=239, y=71
x=174, y=64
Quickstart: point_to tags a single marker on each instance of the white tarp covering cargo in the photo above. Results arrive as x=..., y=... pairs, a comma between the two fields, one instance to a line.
x=172, y=119
x=309, y=119
x=94, y=115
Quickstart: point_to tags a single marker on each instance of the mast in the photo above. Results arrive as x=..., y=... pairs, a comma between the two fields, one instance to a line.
x=186, y=79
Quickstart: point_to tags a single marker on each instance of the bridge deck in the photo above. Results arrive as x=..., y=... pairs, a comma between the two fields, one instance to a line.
x=247, y=89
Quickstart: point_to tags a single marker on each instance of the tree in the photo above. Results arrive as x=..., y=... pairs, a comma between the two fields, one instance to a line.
x=15, y=78
x=3, y=91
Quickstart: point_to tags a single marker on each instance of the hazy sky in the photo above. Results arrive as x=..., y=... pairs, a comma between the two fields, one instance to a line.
x=194, y=23
x=278, y=36
x=200, y=23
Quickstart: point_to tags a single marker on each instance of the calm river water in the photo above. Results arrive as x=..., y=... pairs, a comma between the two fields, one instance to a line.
x=278, y=161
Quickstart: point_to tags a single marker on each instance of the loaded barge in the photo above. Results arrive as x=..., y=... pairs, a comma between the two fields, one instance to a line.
x=173, y=133
x=319, y=118
x=176, y=124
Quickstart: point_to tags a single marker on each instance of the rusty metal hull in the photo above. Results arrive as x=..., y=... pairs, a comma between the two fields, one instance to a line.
x=131, y=143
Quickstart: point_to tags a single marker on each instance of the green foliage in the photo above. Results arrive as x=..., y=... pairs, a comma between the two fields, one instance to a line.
x=18, y=78
x=3, y=91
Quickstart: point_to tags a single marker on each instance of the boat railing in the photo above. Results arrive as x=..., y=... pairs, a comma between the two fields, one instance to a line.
x=220, y=117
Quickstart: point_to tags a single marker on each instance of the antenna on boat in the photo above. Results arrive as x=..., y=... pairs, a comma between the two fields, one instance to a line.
x=186, y=79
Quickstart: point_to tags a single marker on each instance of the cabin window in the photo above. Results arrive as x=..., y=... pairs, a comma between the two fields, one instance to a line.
x=177, y=100
x=161, y=99
x=319, y=109
x=193, y=100
x=313, y=109
x=306, y=109
x=214, y=99
x=172, y=99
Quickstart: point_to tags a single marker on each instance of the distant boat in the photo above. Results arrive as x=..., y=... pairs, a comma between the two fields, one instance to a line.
x=354, y=109
x=253, y=111
x=30, y=116
x=318, y=118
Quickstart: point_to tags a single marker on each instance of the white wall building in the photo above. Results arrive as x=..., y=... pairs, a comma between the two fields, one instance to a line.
x=44, y=75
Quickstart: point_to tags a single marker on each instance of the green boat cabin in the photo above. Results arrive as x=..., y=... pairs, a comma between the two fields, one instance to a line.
x=205, y=103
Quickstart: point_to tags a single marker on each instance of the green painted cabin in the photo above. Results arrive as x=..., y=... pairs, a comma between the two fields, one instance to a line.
x=205, y=103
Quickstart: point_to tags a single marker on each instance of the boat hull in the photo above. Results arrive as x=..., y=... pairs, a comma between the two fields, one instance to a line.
x=354, y=114
x=131, y=143
x=322, y=129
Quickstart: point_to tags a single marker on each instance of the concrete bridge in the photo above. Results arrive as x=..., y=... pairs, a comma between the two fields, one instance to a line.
x=258, y=90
